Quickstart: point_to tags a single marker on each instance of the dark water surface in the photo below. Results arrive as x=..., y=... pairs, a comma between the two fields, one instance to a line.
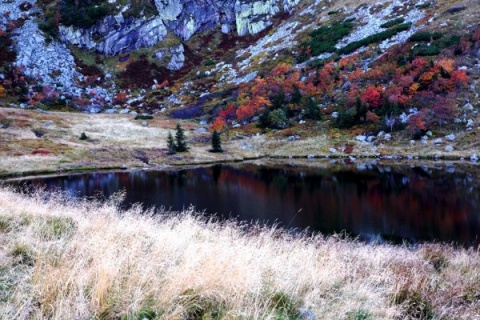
x=376, y=203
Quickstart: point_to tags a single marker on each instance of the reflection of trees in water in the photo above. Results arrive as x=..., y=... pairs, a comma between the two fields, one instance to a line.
x=412, y=203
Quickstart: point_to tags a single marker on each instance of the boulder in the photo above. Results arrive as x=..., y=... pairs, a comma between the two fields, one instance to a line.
x=178, y=58
x=450, y=137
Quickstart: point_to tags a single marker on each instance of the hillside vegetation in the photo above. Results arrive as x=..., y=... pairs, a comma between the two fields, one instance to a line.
x=63, y=259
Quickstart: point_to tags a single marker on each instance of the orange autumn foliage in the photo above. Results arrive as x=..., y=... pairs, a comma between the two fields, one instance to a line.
x=372, y=97
x=218, y=125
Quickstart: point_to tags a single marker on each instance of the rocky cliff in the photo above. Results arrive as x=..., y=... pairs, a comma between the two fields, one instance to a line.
x=184, y=18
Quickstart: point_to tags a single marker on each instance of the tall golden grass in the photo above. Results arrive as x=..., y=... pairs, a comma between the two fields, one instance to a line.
x=74, y=259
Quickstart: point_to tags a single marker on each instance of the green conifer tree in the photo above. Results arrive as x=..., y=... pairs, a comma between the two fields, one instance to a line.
x=216, y=142
x=181, y=143
x=172, y=148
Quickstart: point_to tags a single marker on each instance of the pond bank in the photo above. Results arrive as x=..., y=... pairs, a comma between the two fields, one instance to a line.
x=34, y=142
x=60, y=259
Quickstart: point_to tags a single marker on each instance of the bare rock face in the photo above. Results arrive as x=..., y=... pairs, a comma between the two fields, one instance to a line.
x=178, y=58
x=117, y=35
x=254, y=16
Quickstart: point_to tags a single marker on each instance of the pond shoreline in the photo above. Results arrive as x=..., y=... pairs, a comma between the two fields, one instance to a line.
x=351, y=159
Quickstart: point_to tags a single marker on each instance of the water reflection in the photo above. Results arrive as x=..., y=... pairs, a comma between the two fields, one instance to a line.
x=416, y=204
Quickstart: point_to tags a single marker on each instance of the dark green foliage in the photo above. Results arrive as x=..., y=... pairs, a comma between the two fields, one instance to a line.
x=425, y=36
x=448, y=41
x=423, y=50
x=216, y=142
x=284, y=306
x=311, y=109
x=83, y=136
x=209, y=62
x=138, y=8
x=57, y=228
x=392, y=23
x=324, y=39
x=277, y=118
x=146, y=314
x=23, y=255
x=360, y=314
x=197, y=307
x=360, y=110
x=49, y=25
x=85, y=14
x=181, y=143
x=346, y=118
x=375, y=38
x=143, y=117
x=172, y=148
x=417, y=305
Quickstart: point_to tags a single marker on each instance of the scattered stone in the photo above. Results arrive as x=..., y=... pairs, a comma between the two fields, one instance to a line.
x=94, y=109
x=332, y=150
x=310, y=156
x=387, y=136
x=110, y=111
x=448, y=148
x=438, y=141
x=335, y=115
x=450, y=137
x=429, y=133
x=361, y=167
x=145, y=123
x=470, y=123
x=202, y=130
x=361, y=138
x=381, y=133
x=468, y=106
x=134, y=113
x=237, y=125
x=370, y=139
x=203, y=122
x=474, y=157
x=412, y=142
x=124, y=111
x=301, y=121
x=48, y=124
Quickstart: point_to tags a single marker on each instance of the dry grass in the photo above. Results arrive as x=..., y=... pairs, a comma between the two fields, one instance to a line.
x=119, y=141
x=61, y=259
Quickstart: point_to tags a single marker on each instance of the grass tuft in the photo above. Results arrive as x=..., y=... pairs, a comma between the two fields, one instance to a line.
x=95, y=261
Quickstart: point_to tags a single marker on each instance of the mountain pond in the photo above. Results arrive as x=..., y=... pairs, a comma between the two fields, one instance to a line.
x=374, y=202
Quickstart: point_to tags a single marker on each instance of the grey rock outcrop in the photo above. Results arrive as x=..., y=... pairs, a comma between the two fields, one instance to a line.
x=116, y=34
x=52, y=63
x=184, y=18
x=200, y=15
x=178, y=58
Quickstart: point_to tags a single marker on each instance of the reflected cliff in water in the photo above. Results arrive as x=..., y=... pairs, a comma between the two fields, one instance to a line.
x=414, y=204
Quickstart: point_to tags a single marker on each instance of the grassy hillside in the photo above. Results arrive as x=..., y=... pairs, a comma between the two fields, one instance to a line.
x=63, y=259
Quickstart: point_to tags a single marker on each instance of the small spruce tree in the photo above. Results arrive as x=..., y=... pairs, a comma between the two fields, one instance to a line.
x=172, y=148
x=181, y=143
x=216, y=142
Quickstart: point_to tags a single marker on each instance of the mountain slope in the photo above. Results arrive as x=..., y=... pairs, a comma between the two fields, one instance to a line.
x=296, y=69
